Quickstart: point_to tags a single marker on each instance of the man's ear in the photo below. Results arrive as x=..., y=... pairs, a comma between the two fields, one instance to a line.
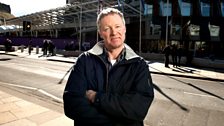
x=100, y=34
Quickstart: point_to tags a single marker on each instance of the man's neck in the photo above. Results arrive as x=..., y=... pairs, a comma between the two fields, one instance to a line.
x=114, y=53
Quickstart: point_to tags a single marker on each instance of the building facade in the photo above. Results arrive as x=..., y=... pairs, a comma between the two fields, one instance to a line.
x=195, y=25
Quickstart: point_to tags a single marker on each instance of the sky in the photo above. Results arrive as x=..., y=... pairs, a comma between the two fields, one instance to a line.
x=24, y=7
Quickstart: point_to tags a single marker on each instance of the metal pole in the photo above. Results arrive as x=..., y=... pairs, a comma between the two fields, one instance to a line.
x=80, y=26
x=97, y=35
x=167, y=22
x=99, y=8
x=4, y=22
x=140, y=28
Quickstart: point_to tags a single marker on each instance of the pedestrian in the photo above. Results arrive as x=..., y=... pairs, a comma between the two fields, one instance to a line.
x=30, y=47
x=109, y=85
x=179, y=54
x=174, y=55
x=166, y=51
x=51, y=48
x=45, y=47
x=8, y=45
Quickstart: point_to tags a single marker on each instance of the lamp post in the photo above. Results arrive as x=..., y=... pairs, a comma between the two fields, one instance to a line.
x=80, y=28
x=140, y=27
x=167, y=20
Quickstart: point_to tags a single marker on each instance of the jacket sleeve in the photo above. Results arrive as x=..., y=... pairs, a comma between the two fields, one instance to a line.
x=132, y=105
x=76, y=105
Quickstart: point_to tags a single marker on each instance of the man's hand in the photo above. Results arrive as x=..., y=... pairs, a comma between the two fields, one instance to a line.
x=90, y=94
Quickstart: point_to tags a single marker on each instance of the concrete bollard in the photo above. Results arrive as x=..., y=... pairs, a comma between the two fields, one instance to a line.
x=54, y=52
x=22, y=48
x=37, y=49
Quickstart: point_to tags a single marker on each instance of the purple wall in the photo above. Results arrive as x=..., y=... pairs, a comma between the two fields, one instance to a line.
x=59, y=42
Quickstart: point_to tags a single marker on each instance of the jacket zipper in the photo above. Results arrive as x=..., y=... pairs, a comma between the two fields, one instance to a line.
x=107, y=78
x=107, y=75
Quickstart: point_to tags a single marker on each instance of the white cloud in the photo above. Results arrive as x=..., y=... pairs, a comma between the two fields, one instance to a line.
x=23, y=7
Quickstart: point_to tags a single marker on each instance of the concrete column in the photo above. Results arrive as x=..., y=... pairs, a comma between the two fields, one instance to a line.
x=37, y=49
x=36, y=33
x=56, y=33
x=22, y=48
x=54, y=52
x=20, y=33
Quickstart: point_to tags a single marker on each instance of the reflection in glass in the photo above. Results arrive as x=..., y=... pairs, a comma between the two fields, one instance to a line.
x=205, y=9
x=164, y=10
x=185, y=7
x=222, y=6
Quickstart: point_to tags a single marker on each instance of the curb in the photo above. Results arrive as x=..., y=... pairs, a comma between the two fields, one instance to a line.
x=61, y=61
x=57, y=99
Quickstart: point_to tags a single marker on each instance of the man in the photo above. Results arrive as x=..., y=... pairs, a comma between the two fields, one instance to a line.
x=174, y=55
x=179, y=53
x=167, y=51
x=8, y=45
x=30, y=48
x=109, y=85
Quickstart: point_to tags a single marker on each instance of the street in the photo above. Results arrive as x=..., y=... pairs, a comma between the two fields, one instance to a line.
x=41, y=74
x=186, y=102
x=178, y=101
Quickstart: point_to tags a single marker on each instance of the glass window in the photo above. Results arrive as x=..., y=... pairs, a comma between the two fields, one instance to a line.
x=205, y=9
x=201, y=49
x=185, y=7
x=175, y=29
x=222, y=7
x=164, y=10
x=214, y=30
x=194, y=30
x=155, y=29
x=148, y=9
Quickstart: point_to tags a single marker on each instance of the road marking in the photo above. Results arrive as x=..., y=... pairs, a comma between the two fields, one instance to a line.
x=20, y=86
x=36, y=89
x=50, y=95
x=202, y=95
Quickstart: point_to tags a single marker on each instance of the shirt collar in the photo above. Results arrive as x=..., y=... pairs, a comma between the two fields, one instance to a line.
x=120, y=57
x=127, y=54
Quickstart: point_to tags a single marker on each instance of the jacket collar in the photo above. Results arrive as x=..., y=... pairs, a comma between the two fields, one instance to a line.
x=99, y=46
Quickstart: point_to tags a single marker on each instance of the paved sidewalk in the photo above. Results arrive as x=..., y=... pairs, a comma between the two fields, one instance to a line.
x=15, y=111
x=189, y=72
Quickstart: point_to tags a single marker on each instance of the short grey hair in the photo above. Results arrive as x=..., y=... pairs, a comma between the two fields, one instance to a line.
x=106, y=12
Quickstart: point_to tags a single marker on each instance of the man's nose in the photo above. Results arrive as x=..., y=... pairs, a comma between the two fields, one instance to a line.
x=113, y=31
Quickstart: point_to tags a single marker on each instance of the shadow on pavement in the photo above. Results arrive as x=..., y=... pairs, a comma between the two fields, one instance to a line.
x=175, y=102
x=207, y=92
x=200, y=89
x=9, y=54
x=5, y=59
x=185, y=70
x=60, y=82
x=193, y=68
x=61, y=61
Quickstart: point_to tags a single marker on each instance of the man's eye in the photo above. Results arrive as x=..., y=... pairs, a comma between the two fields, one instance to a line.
x=118, y=26
x=106, y=29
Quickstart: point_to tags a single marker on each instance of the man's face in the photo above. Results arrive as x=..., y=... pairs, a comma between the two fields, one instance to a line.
x=112, y=31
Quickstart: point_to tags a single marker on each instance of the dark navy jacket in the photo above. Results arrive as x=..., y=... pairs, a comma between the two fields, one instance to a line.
x=124, y=93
